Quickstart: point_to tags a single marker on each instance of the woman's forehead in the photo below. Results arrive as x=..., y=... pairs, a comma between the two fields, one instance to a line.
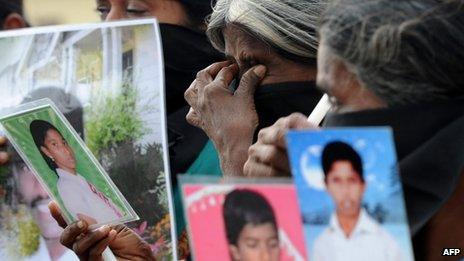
x=237, y=39
x=52, y=134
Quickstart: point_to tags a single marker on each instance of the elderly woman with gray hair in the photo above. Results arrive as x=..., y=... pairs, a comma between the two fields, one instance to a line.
x=268, y=43
x=271, y=69
x=400, y=64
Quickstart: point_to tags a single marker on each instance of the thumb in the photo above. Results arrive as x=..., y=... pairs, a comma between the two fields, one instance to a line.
x=250, y=80
x=56, y=214
x=299, y=121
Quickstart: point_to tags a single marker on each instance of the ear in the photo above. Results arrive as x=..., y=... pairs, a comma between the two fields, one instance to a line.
x=14, y=21
x=234, y=253
x=45, y=151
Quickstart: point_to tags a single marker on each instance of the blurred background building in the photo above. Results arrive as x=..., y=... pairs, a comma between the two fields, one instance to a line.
x=50, y=12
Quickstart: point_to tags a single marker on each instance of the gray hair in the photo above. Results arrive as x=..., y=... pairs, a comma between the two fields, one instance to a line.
x=288, y=26
x=405, y=51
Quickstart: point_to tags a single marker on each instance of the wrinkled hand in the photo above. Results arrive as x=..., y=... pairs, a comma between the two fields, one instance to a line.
x=89, y=245
x=4, y=157
x=228, y=118
x=268, y=156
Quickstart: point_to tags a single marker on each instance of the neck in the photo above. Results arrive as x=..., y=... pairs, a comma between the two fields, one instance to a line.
x=54, y=247
x=348, y=222
x=72, y=171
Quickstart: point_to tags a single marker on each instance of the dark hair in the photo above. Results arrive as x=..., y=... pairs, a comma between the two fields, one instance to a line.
x=242, y=207
x=39, y=129
x=337, y=151
x=10, y=6
x=67, y=103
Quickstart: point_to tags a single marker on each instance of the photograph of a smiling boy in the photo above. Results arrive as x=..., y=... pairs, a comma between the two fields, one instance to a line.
x=81, y=198
x=347, y=179
x=350, y=224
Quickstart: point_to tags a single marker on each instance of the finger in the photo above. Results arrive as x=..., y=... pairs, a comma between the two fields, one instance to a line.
x=252, y=168
x=71, y=232
x=250, y=80
x=3, y=140
x=56, y=214
x=271, y=156
x=226, y=75
x=299, y=121
x=191, y=94
x=87, y=219
x=207, y=75
x=215, y=68
x=274, y=135
x=97, y=250
x=4, y=157
x=80, y=247
x=193, y=118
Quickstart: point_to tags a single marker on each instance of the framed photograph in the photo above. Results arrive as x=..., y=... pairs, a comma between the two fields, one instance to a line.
x=350, y=194
x=243, y=220
x=107, y=80
x=64, y=165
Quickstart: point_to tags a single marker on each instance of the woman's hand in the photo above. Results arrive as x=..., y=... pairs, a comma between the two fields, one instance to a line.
x=268, y=156
x=228, y=118
x=89, y=245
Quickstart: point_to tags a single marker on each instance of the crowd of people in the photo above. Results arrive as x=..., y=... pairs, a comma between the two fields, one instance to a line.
x=251, y=70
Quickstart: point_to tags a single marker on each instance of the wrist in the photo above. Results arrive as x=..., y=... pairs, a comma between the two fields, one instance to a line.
x=233, y=157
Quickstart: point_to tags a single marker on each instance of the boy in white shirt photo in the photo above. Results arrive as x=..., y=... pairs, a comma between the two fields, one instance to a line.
x=352, y=233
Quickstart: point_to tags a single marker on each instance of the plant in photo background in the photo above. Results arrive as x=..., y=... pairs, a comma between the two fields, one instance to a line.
x=19, y=234
x=162, y=231
x=113, y=130
x=113, y=121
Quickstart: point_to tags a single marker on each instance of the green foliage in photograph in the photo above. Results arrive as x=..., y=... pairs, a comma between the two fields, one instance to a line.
x=113, y=130
x=112, y=122
x=19, y=232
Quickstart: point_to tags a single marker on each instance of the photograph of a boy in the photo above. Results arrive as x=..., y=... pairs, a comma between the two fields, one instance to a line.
x=80, y=197
x=352, y=233
x=251, y=227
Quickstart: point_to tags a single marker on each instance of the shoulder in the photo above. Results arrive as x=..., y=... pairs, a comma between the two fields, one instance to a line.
x=61, y=185
x=324, y=238
x=386, y=238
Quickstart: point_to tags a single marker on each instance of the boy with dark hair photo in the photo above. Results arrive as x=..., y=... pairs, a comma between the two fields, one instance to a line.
x=352, y=233
x=251, y=227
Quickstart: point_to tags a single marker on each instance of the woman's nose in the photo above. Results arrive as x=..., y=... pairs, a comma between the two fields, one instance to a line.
x=41, y=191
x=117, y=10
x=115, y=15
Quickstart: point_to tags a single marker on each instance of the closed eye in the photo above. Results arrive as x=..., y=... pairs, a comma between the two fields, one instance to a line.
x=136, y=11
x=103, y=11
